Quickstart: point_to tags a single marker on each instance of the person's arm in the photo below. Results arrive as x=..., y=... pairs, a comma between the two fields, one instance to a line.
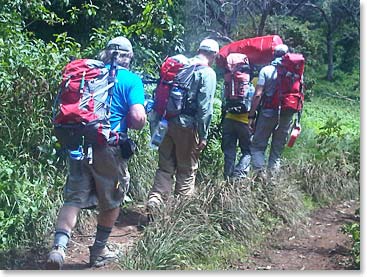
x=259, y=90
x=256, y=100
x=255, y=103
x=205, y=98
x=136, y=117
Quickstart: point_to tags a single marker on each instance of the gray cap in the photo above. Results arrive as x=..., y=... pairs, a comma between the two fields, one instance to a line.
x=120, y=43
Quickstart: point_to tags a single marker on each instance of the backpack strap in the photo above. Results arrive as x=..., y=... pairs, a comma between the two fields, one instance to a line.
x=188, y=110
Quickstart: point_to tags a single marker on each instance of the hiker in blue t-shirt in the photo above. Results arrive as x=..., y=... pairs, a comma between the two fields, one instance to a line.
x=106, y=180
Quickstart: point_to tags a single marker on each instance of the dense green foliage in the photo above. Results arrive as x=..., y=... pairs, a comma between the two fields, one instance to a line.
x=353, y=230
x=224, y=220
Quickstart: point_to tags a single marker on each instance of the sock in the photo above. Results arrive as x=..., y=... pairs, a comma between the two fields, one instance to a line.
x=102, y=236
x=61, y=237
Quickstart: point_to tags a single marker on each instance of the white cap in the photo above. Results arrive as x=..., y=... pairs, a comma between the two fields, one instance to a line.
x=280, y=50
x=209, y=45
x=120, y=43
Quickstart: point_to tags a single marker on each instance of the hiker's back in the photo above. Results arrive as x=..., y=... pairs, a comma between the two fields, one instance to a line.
x=176, y=91
x=268, y=75
x=283, y=85
x=82, y=107
x=129, y=93
x=238, y=91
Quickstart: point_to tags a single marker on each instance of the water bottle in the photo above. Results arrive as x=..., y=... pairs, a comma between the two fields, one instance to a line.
x=159, y=134
x=175, y=101
x=250, y=94
x=148, y=105
x=77, y=154
x=76, y=160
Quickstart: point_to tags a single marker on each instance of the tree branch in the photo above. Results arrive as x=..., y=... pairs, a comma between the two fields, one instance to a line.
x=296, y=7
x=219, y=36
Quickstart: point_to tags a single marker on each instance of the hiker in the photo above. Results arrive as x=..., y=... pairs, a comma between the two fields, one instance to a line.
x=187, y=132
x=268, y=122
x=104, y=182
x=237, y=96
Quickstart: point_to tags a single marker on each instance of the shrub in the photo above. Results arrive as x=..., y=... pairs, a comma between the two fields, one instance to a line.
x=28, y=203
x=353, y=230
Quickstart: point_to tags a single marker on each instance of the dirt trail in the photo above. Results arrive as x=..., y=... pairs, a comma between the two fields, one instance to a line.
x=127, y=229
x=320, y=245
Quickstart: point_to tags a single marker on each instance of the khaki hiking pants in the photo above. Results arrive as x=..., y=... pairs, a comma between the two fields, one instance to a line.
x=177, y=165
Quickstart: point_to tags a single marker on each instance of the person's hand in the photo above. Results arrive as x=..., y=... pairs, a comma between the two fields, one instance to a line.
x=251, y=125
x=201, y=145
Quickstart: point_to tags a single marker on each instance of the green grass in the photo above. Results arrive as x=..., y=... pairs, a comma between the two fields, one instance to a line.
x=227, y=221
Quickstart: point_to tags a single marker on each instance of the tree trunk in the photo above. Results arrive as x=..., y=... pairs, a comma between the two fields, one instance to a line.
x=263, y=18
x=330, y=54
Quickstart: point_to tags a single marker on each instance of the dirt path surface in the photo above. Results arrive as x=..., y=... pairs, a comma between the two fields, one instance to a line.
x=127, y=230
x=320, y=245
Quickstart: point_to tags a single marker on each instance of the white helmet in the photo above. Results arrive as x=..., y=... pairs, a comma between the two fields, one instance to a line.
x=209, y=45
x=280, y=50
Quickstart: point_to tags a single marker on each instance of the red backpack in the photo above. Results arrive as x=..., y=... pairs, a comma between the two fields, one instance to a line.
x=82, y=106
x=176, y=75
x=289, y=89
x=237, y=78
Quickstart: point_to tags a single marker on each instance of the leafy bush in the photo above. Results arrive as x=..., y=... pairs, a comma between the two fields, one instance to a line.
x=28, y=203
x=353, y=230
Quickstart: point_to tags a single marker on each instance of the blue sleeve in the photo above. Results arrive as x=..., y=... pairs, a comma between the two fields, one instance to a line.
x=136, y=91
x=128, y=91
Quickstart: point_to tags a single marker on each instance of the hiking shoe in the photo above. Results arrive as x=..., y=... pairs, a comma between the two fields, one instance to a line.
x=260, y=177
x=56, y=258
x=152, y=207
x=101, y=256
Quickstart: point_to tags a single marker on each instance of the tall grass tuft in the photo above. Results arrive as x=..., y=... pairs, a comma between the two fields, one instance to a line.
x=326, y=182
x=179, y=237
x=188, y=232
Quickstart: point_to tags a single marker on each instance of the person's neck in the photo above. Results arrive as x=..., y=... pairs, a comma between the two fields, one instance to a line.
x=204, y=58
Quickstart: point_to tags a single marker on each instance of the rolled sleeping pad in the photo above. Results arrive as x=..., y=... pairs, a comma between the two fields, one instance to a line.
x=259, y=50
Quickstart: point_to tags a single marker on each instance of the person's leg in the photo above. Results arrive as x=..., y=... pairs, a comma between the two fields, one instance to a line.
x=65, y=223
x=229, y=144
x=163, y=179
x=76, y=196
x=111, y=177
x=243, y=166
x=186, y=141
x=278, y=142
x=100, y=255
x=263, y=131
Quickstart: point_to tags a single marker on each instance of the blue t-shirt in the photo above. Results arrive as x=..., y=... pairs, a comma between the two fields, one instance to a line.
x=128, y=91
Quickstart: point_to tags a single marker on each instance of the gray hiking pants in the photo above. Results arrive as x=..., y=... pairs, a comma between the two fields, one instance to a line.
x=266, y=127
x=233, y=132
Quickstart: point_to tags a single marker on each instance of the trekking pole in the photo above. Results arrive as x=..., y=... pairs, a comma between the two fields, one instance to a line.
x=112, y=78
x=82, y=83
